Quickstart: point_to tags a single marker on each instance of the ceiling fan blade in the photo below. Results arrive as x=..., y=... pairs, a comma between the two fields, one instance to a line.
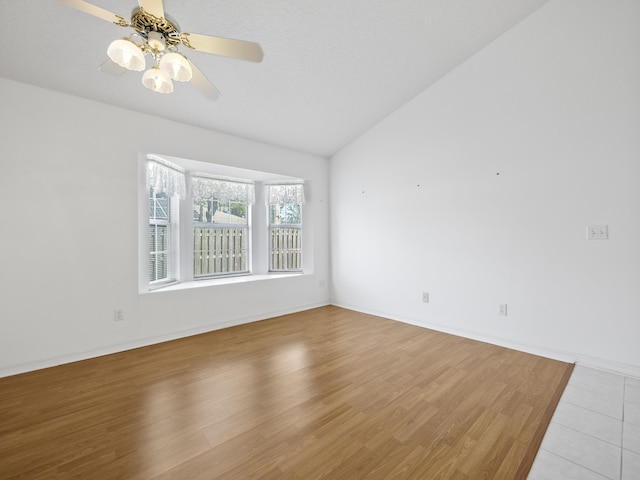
x=203, y=84
x=112, y=68
x=96, y=11
x=223, y=46
x=154, y=7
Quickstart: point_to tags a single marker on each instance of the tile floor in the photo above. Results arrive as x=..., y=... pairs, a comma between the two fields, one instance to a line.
x=595, y=431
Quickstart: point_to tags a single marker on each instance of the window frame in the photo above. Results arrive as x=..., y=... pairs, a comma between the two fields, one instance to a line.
x=271, y=227
x=245, y=226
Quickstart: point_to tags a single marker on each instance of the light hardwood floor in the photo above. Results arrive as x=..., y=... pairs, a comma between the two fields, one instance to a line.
x=323, y=394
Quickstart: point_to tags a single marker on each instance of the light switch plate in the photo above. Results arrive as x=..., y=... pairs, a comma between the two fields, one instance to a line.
x=597, y=232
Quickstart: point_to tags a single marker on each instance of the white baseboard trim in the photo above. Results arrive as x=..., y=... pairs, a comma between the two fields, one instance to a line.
x=568, y=357
x=609, y=366
x=563, y=356
x=145, y=342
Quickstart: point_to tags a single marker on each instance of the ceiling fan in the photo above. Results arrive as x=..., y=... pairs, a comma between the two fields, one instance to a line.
x=158, y=35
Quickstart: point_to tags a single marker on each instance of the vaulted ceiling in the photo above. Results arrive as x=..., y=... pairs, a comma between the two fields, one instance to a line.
x=331, y=70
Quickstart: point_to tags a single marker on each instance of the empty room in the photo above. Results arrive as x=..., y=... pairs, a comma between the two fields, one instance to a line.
x=320, y=240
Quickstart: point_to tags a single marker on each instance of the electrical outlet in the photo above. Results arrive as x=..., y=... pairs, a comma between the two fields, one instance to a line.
x=321, y=283
x=502, y=309
x=597, y=232
x=118, y=315
x=425, y=297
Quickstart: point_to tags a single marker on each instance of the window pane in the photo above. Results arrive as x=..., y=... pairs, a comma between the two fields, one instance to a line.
x=158, y=206
x=220, y=230
x=153, y=276
x=285, y=220
x=159, y=239
x=219, y=201
x=158, y=252
x=287, y=214
x=158, y=266
x=204, y=210
x=286, y=249
x=220, y=250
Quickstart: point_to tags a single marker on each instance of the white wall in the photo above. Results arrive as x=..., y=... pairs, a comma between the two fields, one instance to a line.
x=68, y=223
x=417, y=204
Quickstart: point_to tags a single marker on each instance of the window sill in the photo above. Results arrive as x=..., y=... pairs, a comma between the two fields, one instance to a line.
x=210, y=282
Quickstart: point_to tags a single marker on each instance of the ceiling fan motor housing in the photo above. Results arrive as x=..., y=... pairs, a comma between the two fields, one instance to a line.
x=144, y=23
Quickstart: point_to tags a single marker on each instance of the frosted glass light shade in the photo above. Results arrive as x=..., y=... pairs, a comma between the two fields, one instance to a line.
x=156, y=80
x=126, y=54
x=176, y=66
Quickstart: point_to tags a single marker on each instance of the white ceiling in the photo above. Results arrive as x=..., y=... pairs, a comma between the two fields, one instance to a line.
x=332, y=68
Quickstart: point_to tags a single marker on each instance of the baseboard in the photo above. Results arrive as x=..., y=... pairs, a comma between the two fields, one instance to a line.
x=609, y=366
x=563, y=356
x=144, y=342
x=568, y=357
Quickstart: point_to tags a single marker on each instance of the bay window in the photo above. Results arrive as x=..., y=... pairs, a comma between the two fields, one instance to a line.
x=201, y=221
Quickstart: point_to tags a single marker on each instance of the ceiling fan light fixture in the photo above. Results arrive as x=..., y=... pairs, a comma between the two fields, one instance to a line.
x=127, y=54
x=158, y=35
x=176, y=66
x=156, y=41
x=156, y=80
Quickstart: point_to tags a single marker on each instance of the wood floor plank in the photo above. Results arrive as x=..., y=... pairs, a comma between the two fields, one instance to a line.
x=323, y=394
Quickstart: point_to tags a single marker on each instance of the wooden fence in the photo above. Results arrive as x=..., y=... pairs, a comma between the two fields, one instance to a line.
x=286, y=249
x=219, y=250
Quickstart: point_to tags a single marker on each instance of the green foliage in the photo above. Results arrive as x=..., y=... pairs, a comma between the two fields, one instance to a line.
x=238, y=209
